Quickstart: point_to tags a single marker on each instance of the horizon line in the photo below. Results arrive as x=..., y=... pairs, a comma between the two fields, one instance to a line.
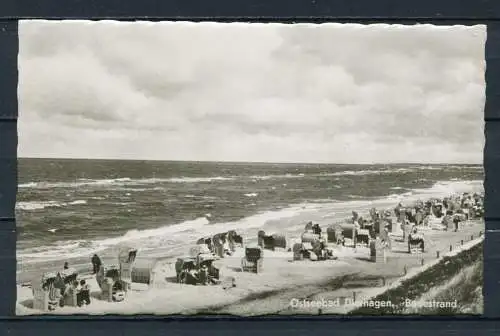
x=254, y=162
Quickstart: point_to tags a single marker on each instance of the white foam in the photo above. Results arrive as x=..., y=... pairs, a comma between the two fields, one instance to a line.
x=251, y=195
x=341, y=173
x=38, y=205
x=194, y=179
x=80, y=248
x=123, y=181
x=171, y=236
x=27, y=206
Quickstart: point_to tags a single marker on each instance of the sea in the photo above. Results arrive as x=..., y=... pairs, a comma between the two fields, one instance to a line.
x=69, y=209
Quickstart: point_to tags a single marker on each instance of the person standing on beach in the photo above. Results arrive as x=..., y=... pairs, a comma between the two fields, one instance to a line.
x=96, y=264
x=83, y=297
x=397, y=210
x=456, y=221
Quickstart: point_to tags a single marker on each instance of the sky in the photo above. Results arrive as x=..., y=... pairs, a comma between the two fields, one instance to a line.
x=322, y=93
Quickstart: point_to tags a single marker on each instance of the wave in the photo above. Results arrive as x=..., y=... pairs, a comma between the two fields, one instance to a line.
x=124, y=181
x=174, y=237
x=127, y=181
x=75, y=184
x=171, y=236
x=340, y=173
x=251, y=195
x=80, y=248
x=38, y=205
x=451, y=187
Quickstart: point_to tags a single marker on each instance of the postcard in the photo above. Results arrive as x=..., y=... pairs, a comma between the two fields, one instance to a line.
x=250, y=169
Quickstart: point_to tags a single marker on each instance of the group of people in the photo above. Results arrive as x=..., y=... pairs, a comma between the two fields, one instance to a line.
x=192, y=276
x=448, y=212
x=64, y=287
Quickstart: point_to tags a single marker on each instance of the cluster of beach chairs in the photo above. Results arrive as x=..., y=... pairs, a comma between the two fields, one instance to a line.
x=201, y=267
x=59, y=289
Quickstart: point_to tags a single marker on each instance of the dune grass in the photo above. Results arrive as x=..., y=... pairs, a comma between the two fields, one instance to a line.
x=459, y=277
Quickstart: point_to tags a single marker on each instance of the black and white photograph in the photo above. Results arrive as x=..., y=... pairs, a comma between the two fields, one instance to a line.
x=250, y=169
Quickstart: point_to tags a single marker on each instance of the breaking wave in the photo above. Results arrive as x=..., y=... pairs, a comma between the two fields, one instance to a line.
x=37, y=205
x=124, y=181
x=127, y=181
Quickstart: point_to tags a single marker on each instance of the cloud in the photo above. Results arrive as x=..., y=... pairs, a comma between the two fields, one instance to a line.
x=252, y=92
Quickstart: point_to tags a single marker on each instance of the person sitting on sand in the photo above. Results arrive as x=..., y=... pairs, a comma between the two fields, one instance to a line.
x=66, y=265
x=83, y=295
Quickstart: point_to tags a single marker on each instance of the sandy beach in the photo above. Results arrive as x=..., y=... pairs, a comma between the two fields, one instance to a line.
x=281, y=281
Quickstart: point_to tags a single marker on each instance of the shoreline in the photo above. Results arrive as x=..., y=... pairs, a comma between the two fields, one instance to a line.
x=323, y=213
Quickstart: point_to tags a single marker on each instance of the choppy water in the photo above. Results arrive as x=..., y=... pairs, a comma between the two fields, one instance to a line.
x=72, y=208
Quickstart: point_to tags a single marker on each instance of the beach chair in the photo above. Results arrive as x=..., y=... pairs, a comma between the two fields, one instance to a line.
x=196, y=250
x=70, y=296
x=378, y=251
x=253, y=260
x=220, y=244
x=309, y=237
x=46, y=296
x=107, y=278
x=69, y=275
x=234, y=239
x=363, y=236
x=207, y=241
x=113, y=291
x=205, y=263
x=416, y=242
x=334, y=234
